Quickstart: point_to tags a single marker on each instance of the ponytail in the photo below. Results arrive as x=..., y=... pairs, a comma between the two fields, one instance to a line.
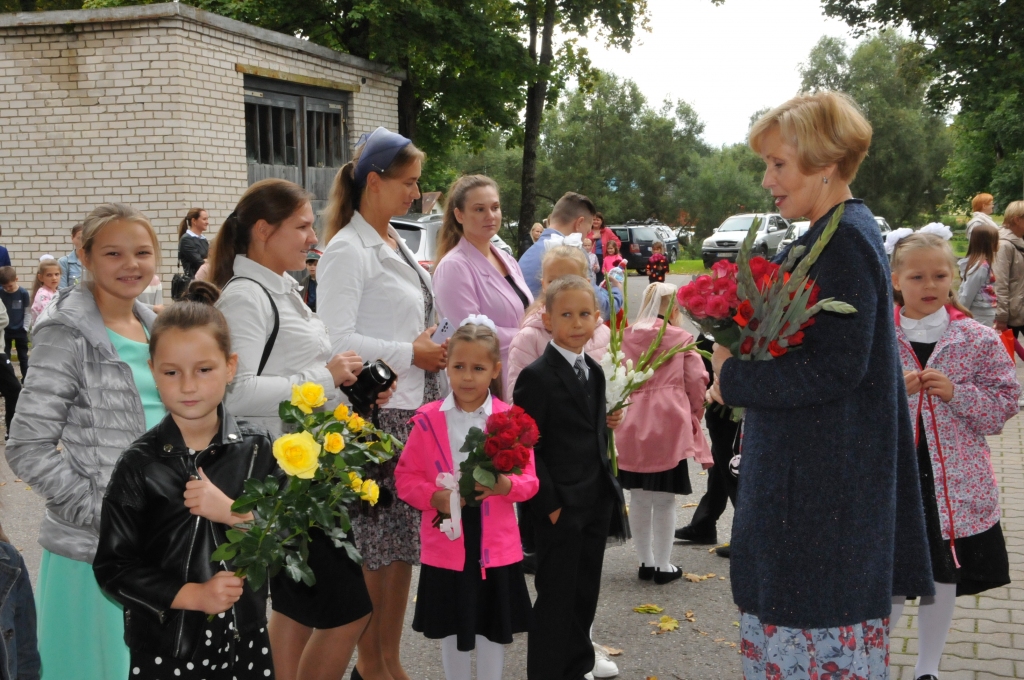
x=451, y=230
x=186, y=223
x=272, y=200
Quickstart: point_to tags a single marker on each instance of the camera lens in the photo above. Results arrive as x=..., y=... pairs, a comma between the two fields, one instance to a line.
x=380, y=372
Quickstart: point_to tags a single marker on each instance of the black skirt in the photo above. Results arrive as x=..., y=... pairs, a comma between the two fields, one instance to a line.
x=464, y=604
x=338, y=597
x=984, y=564
x=676, y=480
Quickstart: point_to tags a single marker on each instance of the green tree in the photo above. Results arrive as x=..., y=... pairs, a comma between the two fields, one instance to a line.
x=901, y=176
x=38, y=5
x=988, y=153
x=724, y=182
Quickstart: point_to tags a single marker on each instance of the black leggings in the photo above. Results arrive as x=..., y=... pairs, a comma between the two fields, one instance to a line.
x=20, y=344
x=10, y=388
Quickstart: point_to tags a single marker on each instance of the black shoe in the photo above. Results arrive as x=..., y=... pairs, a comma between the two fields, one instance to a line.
x=645, y=573
x=663, y=577
x=927, y=677
x=691, y=535
x=355, y=674
x=529, y=563
x=723, y=551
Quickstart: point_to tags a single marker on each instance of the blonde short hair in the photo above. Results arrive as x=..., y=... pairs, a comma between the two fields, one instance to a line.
x=108, y=213
x=1014, y=212
x=571, y=253
x=825, y=127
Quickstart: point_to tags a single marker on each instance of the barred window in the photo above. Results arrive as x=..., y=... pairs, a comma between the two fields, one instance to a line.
x=270, y=136
x=324, y=139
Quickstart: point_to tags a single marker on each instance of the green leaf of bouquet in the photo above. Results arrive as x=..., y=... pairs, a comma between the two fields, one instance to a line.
x=839, y=307
x=484, y=477
x=234, y=535
x=245, y=503
x=289, y=413
x=256, y=575
x=353, y=554
x=224, y=552
x=333, y=427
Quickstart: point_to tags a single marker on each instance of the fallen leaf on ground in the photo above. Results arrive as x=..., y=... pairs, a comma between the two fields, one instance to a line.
x=732, y=644
x=665, y=624
x=721, y=578
x=611, y=651
x=702, y=474
x=736, y=623
x=17, y=480
x=697, y=578
x=689, y=505
x=648, y=609
x=3, y=483
x=28, y=488
x=719, y=639
x=690, y=617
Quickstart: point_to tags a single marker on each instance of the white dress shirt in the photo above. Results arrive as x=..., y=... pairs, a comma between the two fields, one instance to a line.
x=571, y=357
x=926, y=330
x=459, y=424
x=189, y=232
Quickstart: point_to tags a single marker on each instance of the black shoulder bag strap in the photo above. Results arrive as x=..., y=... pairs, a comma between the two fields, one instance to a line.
x=269, y=347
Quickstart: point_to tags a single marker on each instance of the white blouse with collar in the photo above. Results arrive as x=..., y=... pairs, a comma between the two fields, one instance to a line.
x=927, y=330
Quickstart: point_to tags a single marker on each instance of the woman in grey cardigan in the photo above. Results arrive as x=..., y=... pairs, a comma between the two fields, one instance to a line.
x=90, y=391
x=829, y=523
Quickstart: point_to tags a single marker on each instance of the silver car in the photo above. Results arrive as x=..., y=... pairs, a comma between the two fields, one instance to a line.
x=724, y=244
x=420, y=235
x=795, y=231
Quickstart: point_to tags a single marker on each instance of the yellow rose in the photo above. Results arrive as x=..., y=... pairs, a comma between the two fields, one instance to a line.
x=334, y=442
x=370, y=491
x=341, y=413
x=308, y=396
x=298, y=454
x=355, y=481
x=356, y=424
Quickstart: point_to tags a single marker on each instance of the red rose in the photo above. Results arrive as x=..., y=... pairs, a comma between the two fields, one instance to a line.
x=753, y=324
x=504, y=461
x=505, y=439
x=698, y=307
x=747, y=345
x=722, y=285
x=491, y=447
x=775, y=349
x=758, y=267
x=717, y=307
x=704, y=284
x=496, y=422
x=528, y=433
x=520, y=457
x=795, y=339
x=724, y=269
x=744, y=312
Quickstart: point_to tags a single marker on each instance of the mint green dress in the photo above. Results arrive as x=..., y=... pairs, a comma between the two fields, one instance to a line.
x=81, y=629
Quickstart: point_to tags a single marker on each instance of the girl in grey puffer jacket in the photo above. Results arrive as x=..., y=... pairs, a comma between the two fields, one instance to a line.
x=89, y=395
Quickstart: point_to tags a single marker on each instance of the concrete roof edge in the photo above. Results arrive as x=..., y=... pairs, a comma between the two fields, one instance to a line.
x=177, y=9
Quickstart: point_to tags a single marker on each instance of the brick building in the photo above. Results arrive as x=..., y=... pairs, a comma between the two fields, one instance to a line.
x=166, y=107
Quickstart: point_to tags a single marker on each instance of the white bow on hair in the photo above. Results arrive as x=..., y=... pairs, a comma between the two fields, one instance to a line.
x=479, y=320
x=937, y=228
x=452, y=527
x=575, y=240
x=895, y=237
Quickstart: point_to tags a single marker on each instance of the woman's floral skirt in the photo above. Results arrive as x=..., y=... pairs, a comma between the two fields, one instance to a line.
x=857, y=652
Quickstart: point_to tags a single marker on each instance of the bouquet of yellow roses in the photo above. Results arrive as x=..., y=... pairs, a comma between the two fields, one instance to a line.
x=322, y=461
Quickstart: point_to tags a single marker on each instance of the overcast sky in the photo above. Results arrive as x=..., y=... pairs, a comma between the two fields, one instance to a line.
x=726, y=61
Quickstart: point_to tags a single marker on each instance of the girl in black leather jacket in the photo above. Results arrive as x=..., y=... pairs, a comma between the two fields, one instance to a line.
x=168, y=507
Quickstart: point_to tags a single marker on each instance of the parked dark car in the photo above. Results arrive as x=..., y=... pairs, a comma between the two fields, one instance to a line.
x=636, y=245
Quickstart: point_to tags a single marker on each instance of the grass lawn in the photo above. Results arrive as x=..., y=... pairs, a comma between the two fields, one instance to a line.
x=687, y=267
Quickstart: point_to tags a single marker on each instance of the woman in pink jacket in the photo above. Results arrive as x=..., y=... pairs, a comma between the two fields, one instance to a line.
x=471, y=276
x=962, y=386
x=531, y=340
x=472, y=591
x=660, y=430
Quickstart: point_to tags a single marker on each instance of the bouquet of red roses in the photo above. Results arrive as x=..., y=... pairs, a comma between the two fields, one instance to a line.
x=504, y=448
x=712, y=301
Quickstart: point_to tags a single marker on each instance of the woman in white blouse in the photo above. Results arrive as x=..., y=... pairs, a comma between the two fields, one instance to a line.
x=280, y=342
x=377, y=300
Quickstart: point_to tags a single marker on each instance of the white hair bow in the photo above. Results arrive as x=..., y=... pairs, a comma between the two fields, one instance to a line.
x=479, y=320
x=895, y=237
x=575, y=240
x=937, y=228
x=47, y=256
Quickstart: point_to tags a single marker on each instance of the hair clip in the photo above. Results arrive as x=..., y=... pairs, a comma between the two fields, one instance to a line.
x=895, y=237
x=937, y=228
x=479, y=320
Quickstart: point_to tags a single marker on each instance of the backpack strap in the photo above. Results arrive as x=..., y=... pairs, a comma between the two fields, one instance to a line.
x=269, y=347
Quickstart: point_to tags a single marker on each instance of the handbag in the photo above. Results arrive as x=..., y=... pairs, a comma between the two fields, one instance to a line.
x=179, y=282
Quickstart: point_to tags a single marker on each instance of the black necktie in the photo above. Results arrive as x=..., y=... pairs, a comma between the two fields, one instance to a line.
x=581, y=373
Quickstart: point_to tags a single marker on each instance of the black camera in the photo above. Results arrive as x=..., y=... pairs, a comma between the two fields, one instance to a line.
x=374, y=378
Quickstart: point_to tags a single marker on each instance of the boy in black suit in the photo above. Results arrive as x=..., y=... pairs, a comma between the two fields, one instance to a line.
x=564, y=392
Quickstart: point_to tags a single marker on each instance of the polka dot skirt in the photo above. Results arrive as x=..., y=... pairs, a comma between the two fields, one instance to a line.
x=219, y=656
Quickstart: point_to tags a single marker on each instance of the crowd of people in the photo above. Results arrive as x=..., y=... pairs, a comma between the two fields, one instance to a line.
x=139, y=422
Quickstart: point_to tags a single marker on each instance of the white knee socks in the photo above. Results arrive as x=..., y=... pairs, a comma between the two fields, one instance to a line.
x=934, y=617
x=652, y=519
x=640, y=513
x=490, y=659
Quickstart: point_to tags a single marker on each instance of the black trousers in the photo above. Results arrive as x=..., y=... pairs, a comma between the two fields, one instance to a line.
x=721, y=483
x=20, y=344
x=10, y=388
x=570, y=555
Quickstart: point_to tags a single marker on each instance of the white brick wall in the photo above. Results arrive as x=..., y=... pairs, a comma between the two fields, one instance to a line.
x=147, y=111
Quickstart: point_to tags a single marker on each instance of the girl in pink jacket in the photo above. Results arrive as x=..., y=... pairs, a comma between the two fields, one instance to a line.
x=472, y=591
x=961, y=386
x=531, y=340
x=660, y=430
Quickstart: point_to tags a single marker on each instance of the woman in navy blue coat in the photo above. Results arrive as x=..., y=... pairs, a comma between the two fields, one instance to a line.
x=829, y=523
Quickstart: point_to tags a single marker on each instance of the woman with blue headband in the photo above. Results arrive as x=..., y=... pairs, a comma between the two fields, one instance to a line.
x=378, y=301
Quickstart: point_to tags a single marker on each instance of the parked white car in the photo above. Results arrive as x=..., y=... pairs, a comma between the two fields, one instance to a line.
x=724, y=244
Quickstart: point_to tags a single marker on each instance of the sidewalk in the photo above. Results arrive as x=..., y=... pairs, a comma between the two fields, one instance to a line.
x=987, y=638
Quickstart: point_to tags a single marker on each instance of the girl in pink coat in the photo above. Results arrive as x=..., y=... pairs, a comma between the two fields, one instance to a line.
x=531, y=340
x=472, y=591
x=660, y=430
x=961, y=386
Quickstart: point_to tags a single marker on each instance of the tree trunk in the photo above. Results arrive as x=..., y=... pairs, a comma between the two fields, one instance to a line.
x=535, y=97
x=27, y=5
x=408, y=107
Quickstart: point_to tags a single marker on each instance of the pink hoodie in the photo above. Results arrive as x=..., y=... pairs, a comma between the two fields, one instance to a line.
x=529, y=343
x=985, y=394
x=662, y=423
x=426, y=454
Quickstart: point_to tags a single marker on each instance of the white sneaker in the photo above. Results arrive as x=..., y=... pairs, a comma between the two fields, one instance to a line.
x=603, y=666
x=588, y=676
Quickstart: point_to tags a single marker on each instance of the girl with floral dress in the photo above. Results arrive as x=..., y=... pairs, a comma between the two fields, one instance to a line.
x=961, y=386
x=657, y=266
